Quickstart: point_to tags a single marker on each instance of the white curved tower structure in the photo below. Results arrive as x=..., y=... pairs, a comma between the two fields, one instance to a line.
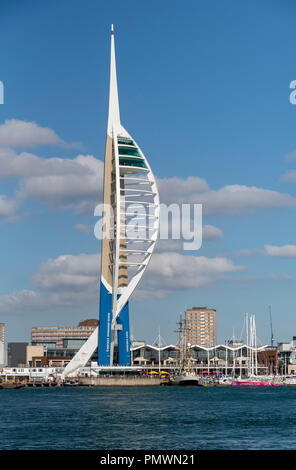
x=130, y=228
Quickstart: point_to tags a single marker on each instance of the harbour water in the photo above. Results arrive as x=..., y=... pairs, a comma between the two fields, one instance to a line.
x=148, y=418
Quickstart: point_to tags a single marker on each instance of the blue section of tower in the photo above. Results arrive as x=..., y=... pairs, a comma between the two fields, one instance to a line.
x=105, y=326
x=124, y=356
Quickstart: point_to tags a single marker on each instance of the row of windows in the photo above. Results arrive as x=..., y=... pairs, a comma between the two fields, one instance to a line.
x=138, y=163
x=133, y=151
x=125, y=141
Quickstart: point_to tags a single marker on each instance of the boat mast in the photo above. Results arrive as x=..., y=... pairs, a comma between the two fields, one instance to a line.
x=159, y=351
x=247, y=334
x=180, y=330
x=271, y=329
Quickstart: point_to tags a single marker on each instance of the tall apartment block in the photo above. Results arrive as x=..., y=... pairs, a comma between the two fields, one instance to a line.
x=200, y=324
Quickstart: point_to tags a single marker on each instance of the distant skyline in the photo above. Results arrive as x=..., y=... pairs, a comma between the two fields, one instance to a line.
x=204, y=89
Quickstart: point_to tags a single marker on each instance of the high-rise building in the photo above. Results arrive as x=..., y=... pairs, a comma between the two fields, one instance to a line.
x=2, y=332
x=200, y=324
x=129, y=231
x=2, y=347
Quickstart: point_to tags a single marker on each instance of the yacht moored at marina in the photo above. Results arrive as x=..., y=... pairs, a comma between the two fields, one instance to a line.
x=225, y=380
x=290, y=380
x=70, y=383
x=254, y=383
x=188, y=379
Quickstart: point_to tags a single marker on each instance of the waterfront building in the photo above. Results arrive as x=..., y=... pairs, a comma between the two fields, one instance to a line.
x=16, y=354
x=50, y=361
x=287, y=356
x=149, y=355
x=32, y=352
x=269, y=358
x=58, y=357
x=129, y=229
x=54, y=338
x=221, y=359
x=200, y=326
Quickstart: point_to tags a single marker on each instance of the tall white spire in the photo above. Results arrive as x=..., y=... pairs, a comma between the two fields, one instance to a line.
x=113, y=113
x=127, y=174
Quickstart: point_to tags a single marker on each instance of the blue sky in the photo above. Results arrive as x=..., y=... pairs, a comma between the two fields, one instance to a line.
x=204, y=89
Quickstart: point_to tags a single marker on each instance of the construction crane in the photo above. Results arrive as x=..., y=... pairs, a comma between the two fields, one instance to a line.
x=271, y=329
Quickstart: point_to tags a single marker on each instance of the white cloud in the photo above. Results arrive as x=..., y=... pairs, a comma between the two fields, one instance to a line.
x=17, y=133
x=84, y=228
x=144, y=294
x=26, y=164
x=244, y=253
x=72, y=280
x=177, y=190
x=250, y=252
x=66, y=182
x=210, y=232
x=78, y=180
x=237, y=199
x=289, y=176
x=55, y=181
x=231, y=199
x=78, y=183
x=168, y=272
x=66, y=281
x=281, y=277
x=285, y=251
x=291, y=156
x=168, y=245
x=8, y=208
x=29, y=300
x=69, y=272
x=21, y=301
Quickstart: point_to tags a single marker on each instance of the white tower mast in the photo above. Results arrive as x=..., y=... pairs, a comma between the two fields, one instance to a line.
x=136, y=207
x=130, y=188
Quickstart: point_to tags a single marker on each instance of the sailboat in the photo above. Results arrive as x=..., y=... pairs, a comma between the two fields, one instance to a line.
x=186, y=376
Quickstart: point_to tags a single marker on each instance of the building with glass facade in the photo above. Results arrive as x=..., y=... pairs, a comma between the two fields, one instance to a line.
x=62, y=337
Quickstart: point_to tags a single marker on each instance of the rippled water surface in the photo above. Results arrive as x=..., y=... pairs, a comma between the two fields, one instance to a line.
x=148, y=418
